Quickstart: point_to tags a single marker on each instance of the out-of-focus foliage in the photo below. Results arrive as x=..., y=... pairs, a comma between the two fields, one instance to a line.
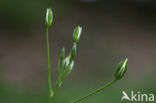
x=9, y=94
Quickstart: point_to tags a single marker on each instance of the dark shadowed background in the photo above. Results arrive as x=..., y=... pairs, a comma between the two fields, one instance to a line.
x=112, y=30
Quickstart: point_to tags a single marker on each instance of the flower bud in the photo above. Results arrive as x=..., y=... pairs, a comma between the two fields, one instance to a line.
x=49, y=18
x=121, y=69
x=62, y=53
x=69, y=64
x=77, y=34
x=70, y=67
x=66, y=61
x=73, y=52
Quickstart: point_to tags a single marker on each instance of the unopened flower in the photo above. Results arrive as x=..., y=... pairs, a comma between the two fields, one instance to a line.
x=77, y=34
x=121, y=69
x=49, y=18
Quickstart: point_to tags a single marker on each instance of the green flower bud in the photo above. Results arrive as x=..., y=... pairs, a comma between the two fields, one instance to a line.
x=65, y=68
x=69, y=64
x=67, y=61
x=77, y=34
x=70, y=67
x=121, y=69
x=61, y=62
x=48, y=18
x=73, y=52
x=62, y=53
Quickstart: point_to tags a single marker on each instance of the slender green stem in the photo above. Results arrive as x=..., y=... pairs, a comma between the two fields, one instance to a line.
x=50, y=91
x=95, y=91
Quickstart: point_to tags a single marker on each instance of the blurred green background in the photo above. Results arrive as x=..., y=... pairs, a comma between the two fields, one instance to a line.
x=112, y=30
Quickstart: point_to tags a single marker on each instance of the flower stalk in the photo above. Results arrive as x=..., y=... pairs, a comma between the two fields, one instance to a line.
x=48, y=22
x=49, y=71
x=95, y=91
x=120, y=71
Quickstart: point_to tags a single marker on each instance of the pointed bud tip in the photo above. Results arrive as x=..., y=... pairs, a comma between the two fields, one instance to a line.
x=49, y=17
x=121, y=69
x=77, y=33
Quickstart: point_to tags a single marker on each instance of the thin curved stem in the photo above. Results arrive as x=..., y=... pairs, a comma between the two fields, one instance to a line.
x=95, y=91
x=50, y=91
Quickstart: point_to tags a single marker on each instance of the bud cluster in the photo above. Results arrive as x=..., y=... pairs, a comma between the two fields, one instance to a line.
x=66, y=64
